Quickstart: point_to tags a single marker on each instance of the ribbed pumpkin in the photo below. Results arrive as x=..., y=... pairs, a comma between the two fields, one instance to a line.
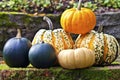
x=105, y=46
x=76, y=58
x=57, y=37
x=78, y=21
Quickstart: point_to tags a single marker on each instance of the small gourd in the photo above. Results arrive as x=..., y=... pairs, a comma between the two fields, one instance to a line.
x=15, y=51
x=42, y=55
x=76, y=58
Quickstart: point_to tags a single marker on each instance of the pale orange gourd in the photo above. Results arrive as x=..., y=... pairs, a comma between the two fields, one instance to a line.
x=76, y=58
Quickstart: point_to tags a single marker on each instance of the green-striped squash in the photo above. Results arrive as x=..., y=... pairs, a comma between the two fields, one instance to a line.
x=57, y=37
x=105, y=46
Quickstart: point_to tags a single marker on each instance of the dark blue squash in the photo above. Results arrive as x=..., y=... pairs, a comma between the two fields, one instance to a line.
x=15, y=52
x=42, y=55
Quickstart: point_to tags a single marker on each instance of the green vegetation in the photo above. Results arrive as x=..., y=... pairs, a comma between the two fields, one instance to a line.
x=32, y=6
x=92, y=6
x=54, y=6
x=109, y=3
x=5, y=67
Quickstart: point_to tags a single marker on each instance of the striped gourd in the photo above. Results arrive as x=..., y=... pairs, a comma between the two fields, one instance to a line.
x=57, y=37
x=105, y=46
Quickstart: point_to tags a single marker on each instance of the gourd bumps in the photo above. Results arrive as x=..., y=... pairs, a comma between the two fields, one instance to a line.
x=105, y=46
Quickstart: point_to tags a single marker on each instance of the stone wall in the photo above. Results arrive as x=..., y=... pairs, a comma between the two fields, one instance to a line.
x=30, y=24
x=111, y=23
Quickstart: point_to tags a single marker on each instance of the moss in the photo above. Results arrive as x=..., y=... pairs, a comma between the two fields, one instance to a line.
x=115, y=63
x=26, y=20
x=88, y=75
x=16, y=19
x=11, y=13
x=5, y=21
x=115, y=74
x=58, y=73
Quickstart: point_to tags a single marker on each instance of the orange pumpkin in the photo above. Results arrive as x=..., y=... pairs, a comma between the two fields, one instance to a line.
x=78, y=21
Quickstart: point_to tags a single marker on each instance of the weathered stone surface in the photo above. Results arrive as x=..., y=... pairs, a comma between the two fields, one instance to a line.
x=110, y=22
x=30, y=24
x=108, y=19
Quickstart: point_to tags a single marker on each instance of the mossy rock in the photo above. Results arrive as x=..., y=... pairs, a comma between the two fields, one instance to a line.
x=111, y=72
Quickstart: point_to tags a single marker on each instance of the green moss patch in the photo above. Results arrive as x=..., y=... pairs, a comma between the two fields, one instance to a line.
x=58, y=73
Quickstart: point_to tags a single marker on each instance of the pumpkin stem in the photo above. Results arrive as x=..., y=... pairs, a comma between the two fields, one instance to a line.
x=100, y=29
x=18, y=33
x=79, y=5
x=49, y=22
